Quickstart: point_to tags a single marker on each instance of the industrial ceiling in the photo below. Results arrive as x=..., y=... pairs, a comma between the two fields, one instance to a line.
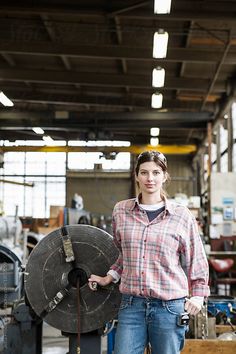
x=83, y=69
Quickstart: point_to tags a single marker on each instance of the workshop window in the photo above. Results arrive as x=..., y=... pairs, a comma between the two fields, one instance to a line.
x=223, y=149
x=35, y=163
x=213, y=153
x=45, y=170
x=55, y=192
x=87, y=160
x=224, y=163
x=234, y=157
x=12, y=196
x=56, y=163
x=223, y=139
x=14, y=163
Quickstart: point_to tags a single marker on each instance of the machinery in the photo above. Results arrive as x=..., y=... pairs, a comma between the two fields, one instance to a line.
x=56, y=283
x=10, y=230
x=223, y=308
x=20, y=328
x=32, y=239
x=20, y=331
x=217, y=310
x=10, y=227
x=75, y=216
x=53, y=287
x=10, y=276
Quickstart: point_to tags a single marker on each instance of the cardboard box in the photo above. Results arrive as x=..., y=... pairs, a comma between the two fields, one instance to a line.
x=46, y=230
x=55, y=210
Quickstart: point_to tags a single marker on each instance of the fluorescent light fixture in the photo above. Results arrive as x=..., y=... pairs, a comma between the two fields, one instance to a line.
x=99, y=143
x=38, y=130
x=160, y=42
x=162, y=6
x=48, y=140
x=157, y=99
x=154, y=141
x=158, y=77
x=154, y=131
x=5, y=100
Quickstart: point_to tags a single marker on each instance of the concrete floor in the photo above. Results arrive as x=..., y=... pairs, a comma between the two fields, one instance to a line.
x=55, y=343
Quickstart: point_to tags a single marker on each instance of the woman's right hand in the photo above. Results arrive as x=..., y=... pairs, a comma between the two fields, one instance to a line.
x=96, y=279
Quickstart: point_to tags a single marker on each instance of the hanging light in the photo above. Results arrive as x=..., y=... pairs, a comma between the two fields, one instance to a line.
x=154, y=141
x=158, y=77
x=48, y=140
x=154, y=131
x=157, y=99
x=162, y=6
x=5, y=100
x=160, y=42
x=38, y=130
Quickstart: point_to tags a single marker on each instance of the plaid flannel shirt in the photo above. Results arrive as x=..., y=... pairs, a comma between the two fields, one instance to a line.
x=149, y=259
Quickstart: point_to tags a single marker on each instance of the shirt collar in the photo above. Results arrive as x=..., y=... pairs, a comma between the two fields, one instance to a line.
x=168, y=205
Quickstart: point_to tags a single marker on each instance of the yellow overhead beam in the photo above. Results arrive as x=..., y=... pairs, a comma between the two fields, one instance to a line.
x=134, y=149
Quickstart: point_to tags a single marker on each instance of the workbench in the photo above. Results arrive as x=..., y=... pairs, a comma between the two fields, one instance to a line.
x=209, y=346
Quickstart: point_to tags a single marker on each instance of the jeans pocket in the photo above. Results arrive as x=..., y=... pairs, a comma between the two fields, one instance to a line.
x=123, y=305
x=125, y=301
x=175, y=307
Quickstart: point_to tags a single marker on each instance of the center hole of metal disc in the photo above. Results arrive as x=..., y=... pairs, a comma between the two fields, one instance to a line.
x=76, y=273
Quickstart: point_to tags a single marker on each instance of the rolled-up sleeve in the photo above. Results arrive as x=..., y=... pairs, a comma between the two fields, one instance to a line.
x=117, y=267
x=196, y=261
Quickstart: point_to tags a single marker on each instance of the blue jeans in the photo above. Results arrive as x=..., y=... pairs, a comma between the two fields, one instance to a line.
x=146, y=320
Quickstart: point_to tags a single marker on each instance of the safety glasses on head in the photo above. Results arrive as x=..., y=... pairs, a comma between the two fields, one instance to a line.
x=156, y=154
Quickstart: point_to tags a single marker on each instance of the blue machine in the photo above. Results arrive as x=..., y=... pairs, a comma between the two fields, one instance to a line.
x=222, y=307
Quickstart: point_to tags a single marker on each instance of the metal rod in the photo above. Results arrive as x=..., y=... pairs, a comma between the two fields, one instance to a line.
x=25, y=234
x=78, y=315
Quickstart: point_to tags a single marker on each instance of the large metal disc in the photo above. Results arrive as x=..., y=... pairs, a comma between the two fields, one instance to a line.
x=47, y=272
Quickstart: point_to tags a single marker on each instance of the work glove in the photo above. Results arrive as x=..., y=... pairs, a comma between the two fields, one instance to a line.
x=194, y=304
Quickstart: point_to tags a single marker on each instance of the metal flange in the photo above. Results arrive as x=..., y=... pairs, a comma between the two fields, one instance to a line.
x=50, y=279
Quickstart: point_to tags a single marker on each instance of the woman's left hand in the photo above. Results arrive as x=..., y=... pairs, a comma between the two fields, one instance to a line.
x=194, y=304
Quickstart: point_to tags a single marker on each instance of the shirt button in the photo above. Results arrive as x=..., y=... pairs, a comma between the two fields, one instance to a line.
x=143, y=257
x=142, y=272
x=144, y=240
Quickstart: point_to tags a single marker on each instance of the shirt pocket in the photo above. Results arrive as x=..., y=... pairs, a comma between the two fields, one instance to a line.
x=169, y=245
x=165, y=253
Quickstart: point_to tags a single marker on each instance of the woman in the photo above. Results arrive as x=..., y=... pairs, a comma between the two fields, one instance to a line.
x=153, y=234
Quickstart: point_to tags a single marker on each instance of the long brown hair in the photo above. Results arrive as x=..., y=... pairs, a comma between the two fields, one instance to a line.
x=159, y=159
